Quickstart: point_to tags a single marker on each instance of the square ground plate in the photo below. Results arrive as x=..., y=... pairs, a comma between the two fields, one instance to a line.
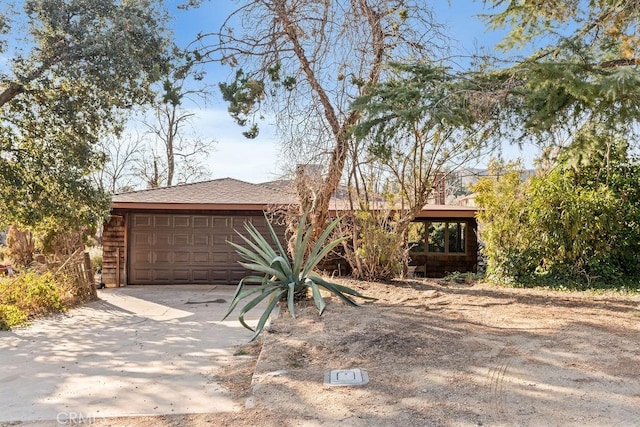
x=346, y=377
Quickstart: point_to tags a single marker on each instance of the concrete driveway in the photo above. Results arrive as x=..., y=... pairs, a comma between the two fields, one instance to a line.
x=138, y=351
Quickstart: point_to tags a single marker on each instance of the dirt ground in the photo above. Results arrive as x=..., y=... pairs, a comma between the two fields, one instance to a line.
x=441, y=354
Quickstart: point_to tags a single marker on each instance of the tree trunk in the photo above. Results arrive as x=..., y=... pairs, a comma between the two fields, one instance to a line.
x=9, y=93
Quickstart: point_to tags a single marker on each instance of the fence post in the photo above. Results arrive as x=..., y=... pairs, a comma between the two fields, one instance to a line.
x=89, y=275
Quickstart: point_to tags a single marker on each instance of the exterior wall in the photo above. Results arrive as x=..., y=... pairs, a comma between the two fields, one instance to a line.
x=427, y=264
x=114, y=247
x=115, y=240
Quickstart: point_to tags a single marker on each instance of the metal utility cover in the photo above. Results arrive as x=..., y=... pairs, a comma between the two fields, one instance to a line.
x=346, y=377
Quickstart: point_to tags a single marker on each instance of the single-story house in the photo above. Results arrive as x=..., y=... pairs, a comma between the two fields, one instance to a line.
x=179, y=234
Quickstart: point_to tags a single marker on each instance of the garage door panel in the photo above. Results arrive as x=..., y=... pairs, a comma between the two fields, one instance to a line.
x=181, y=248
x=182, y=275
x=143, y=238
x=220, y=239
x=200, y=276
x=201, y=222
x=143, y=275
x=201, y=240
x=162, y=257
x=221, y=223
x=142, y=256
x=182, y=257
x=162, y=276
x=161, y=221
x=200, y=257
x=220, y=275
x=181, y=221
x=181, y=239
x=220, y=258
x=143, y=221
x=162, y=239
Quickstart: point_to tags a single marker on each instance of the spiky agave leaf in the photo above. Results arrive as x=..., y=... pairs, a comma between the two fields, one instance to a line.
x=283, y=275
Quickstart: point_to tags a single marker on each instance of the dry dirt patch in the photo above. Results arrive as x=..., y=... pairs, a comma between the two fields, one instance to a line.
x=458, y=355
x=441, y=355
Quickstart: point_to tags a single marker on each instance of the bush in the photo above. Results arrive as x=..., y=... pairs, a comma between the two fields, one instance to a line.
x=21, y=246
x=11, y=316
x=576, y=225
x=380, y=251
x=32, y=295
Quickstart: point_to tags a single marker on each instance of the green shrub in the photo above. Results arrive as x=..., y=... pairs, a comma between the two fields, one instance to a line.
x=575, y=225
x=282, y=276
x=41, y=294
x=11, y=316
x=32, y=295
x=380, y=252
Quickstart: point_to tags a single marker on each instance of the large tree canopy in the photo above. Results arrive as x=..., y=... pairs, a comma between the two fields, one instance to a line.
x=75, y=67
x=306, y=61
x=583, y=74
x=608, y=26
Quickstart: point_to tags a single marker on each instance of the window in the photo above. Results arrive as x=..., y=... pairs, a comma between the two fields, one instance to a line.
x=438, y=237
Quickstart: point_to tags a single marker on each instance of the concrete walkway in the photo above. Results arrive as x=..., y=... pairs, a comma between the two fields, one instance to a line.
x=138, y=351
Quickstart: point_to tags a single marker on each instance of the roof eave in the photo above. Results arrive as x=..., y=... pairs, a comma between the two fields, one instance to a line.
x=192, y=206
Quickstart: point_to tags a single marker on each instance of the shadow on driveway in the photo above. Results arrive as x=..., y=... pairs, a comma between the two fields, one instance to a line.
x=146, y=350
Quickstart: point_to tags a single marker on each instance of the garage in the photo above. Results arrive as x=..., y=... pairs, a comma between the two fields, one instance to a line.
x=186, y=249
x=178, y=235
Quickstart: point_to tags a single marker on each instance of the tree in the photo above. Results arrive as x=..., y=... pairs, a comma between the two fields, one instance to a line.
x=83, y=63
x=610, y=27
x=170, y=128
x=586, y=73
x=307, y=61
x=118, y=173
x=416, y=130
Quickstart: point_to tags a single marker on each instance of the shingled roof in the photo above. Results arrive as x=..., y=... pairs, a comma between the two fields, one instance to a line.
x=233, y=194
x=224, y=191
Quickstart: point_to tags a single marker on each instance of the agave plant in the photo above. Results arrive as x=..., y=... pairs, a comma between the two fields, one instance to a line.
x=282, y=277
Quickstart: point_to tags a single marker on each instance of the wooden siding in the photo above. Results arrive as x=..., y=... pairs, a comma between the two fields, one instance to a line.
x=114, y=245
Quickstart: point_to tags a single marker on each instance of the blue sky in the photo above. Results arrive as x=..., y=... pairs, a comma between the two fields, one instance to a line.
x=257, y=160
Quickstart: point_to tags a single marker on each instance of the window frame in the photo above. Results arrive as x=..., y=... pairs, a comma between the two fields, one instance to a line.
x=425, y=241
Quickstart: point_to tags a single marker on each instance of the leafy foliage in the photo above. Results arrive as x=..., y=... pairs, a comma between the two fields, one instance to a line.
x=416, y=128
x=282, y=277
x=502, y=199
x=243, y=95
x=577, y=223
x=610, y=27
x=585, y=74
x=31, y=295
x=85, y=63
x=540, y=96
x=379, y=250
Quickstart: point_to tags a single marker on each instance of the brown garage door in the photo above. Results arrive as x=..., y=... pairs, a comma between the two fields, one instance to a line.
x=182, y=249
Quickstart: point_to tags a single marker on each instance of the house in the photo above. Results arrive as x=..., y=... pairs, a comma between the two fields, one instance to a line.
x=179, y=234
